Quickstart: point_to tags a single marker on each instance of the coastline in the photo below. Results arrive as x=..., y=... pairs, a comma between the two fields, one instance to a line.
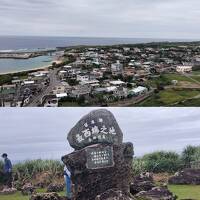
x=33, y=69
x=92, y=45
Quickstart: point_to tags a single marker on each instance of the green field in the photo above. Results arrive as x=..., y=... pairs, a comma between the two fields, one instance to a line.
x=182, y=191
x=18, y=196
x=186, y=191
x=169, y=97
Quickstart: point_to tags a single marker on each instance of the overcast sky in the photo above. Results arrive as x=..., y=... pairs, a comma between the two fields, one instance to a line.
x=41, y=133
x=174, y=19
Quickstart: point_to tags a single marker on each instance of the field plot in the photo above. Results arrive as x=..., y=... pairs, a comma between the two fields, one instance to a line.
x=19, y=196
x=186, y=191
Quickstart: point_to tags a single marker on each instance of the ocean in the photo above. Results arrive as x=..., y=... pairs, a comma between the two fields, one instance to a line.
x=34, y=42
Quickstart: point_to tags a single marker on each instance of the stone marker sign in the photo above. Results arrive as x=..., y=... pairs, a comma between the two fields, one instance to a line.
x=99, y=157
x=100, y=162
x=99, y=126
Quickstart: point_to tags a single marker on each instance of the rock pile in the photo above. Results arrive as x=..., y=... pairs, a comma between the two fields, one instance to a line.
x=156, y=193
x=47, y=196
x=143, y=186
x=113, y=195
x=143, y=182
x=55, y=187
x=7, y=191
x=100, y=162
x=187, y=177
x=28, y=189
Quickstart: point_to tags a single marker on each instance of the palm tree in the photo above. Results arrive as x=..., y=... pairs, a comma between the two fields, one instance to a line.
x=188, y=155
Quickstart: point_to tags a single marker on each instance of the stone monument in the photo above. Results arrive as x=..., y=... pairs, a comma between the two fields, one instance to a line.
x=101, y=162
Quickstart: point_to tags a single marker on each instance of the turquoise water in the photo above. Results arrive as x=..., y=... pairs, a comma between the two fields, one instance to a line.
x=16, y=65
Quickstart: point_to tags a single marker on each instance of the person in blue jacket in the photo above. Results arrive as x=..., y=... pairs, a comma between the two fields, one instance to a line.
x=7, y=170
x=67, y=176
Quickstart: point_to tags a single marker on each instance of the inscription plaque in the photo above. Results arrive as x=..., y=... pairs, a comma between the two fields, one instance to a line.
x=99, y=157
x=99, y=126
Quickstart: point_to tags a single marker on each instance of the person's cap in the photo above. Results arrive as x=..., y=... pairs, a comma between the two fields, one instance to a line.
x=4, y=155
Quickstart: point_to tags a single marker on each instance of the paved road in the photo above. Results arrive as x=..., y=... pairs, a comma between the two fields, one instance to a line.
x=53, y=82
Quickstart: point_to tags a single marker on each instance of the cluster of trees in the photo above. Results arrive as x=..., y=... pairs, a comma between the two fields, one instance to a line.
x=169, y=162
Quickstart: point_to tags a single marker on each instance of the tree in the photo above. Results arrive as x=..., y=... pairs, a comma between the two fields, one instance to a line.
x=196, y=156
x=162, y=161
x=188, y=155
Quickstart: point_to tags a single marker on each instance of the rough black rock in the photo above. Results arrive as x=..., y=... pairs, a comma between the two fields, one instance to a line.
x=113, y=195
x=99, y=126
x=28, y=189
x=186, y=177
x=156, y=193
x=88, y=183
x=101, y=163
x=142, y=182
x=47, y=196
x=53, y=187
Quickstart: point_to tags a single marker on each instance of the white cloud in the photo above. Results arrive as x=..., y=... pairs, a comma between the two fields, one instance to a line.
x=100, y=18
x=35, y=133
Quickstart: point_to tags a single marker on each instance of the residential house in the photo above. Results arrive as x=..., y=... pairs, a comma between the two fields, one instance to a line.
x=116, y=68
x=129, y=71
x=80, y=90
x=138, y=91
x=184, y=69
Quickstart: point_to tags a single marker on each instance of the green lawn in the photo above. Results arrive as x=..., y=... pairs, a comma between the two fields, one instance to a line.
x=169, y=96
x=186, y=191
x=18, y=196
x=166, y=79
x=177, y=77
x=182, y=191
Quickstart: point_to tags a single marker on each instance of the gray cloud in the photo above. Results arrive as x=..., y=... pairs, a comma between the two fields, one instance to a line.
x=111, y=18
x=41, y=133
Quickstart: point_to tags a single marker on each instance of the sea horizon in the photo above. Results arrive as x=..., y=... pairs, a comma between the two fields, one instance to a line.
x=17, y=42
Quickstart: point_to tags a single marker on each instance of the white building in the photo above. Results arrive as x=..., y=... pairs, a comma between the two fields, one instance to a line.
x=117, y=83
x=59, y=89
x=116, y=68
x=111, y=89
x=138, y=91
x=183, y=69
x=83, y=78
